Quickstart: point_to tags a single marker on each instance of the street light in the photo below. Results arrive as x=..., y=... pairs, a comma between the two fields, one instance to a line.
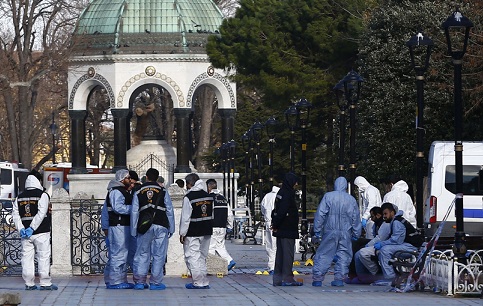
x=352, y=90
x=232, y=171
x=303, y=114
x=343, y=105
x=420, y=51
x=291, y=117
x=257, y=130
x=270, y=126
x=457, y=30
x=53, y=130
x=247, y=146
x=224, y=157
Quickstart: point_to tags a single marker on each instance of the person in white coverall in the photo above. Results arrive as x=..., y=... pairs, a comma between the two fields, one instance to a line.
x=370, y=197
x=195, y=230
x=222, y=223
x=336, y=223
x=266, y=207
x=33, y=221
x=399, y=197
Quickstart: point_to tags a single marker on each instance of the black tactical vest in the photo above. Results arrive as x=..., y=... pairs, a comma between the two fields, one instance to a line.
x=116, y=219
x=148, y=195
x=28, y=207
x=201, y=223
x=221, y=209
x=413, y=236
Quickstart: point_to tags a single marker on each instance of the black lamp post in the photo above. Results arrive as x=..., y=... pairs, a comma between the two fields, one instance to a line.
x=257, y=129
x=303, y=114
x=420, y=50
x=246, y=146
x=291, y=117
x=224, y=158
x=352, y=90
x=270, y=126
x=232, y=172
x=457, y=29
x=53, y=130
x=342, y=104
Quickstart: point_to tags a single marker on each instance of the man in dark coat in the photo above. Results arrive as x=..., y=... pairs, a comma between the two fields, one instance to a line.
x=285, y=220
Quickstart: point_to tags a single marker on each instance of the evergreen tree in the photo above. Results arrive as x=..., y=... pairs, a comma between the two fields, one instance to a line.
x=387, y=111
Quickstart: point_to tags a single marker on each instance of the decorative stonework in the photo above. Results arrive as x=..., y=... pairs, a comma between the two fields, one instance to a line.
x=150, y=71
x=160, y=76
x=210, y=71
x=91, y=72
x=96, y=77
x=205, y=76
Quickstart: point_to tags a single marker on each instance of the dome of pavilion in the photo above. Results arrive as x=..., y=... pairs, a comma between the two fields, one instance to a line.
x=146, y=27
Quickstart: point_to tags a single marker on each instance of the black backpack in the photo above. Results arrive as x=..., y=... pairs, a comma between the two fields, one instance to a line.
x=413, y=236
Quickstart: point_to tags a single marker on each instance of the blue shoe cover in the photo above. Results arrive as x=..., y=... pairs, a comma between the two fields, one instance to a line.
x=159, y=286
x=337, y=283
x=31, y=287
x=121, y=286
x=317, y=283
x=231, y=265
x=192, y=286
x=51, y=287
x=139, y=286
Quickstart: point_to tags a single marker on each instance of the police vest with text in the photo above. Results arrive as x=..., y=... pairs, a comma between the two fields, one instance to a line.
x=116, y=219
x=220, y=210
x=413, y=236
x=148, y=196
x=28, y=207
x=201, y=222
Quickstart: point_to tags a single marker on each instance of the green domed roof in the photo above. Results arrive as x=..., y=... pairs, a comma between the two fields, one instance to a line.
x=142, y=26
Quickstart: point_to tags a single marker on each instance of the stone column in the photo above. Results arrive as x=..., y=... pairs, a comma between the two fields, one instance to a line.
x=78, y=141
x=182, y=139
x=227, y=124
x=61, y=248
x=120, y=138
x=176, y=264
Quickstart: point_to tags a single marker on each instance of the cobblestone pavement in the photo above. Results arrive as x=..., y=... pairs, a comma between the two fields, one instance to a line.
x=241, y=287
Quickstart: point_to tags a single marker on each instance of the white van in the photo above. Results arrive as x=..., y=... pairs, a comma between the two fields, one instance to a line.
x=442, y=188
x=12, y=179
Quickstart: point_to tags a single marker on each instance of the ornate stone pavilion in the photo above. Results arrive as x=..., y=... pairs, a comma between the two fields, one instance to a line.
x=123, y=45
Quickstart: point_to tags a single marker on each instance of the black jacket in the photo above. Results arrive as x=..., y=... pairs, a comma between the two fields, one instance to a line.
x=285, y=216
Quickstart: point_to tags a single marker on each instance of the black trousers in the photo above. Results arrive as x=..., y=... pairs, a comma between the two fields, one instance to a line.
x=356, y=246
x=284, y=261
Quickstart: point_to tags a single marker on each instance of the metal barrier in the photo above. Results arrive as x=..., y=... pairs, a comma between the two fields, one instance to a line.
x=88, y=244
x=10, y=245
x=445, y=274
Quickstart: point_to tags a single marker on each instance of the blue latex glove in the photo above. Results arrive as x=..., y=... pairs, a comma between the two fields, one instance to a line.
x=364, y=222
x=170, y=235
x=377, y=246
x=229, y=230
x=22, y=233
x=316, y=238
x=354, y=238
x=28, y=232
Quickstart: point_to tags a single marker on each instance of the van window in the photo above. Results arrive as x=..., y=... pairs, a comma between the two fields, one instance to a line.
x=5, y=176
x=471, y=179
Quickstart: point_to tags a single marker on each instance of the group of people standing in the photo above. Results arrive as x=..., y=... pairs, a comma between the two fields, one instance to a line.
x=139, y=220
x=389, y=226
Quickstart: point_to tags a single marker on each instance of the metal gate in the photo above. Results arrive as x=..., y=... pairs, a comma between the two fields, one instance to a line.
x=10, y=245
x=88, y=245
x=154, y=161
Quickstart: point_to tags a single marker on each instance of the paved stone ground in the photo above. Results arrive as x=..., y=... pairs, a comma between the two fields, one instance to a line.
x=241, y=287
